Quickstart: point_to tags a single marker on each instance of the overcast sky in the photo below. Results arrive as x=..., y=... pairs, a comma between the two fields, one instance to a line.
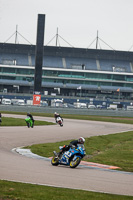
x=77, y=21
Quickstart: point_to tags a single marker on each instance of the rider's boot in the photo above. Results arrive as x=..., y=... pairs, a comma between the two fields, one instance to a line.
x=55, y=153
x=60, y=154
x=32, y=124
x=28, y=125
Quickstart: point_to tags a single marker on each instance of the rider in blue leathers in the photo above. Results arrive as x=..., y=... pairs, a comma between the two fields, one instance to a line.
x=73, y=144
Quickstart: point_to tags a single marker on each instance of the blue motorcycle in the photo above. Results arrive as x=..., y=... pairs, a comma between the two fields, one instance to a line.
x=72, y=157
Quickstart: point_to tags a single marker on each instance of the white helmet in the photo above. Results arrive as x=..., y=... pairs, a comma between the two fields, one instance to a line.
x=55, y=113
x=81, y=140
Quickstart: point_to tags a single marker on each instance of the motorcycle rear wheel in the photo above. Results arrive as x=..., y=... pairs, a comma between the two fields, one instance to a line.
x=75, y=163
x=54, y=161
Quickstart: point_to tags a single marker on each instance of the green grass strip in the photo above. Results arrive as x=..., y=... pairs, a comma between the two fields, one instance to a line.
x=10, y=121
x=113, y=149
x=20, y=191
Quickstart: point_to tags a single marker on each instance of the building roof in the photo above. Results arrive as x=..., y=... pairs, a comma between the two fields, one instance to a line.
x=68, y=52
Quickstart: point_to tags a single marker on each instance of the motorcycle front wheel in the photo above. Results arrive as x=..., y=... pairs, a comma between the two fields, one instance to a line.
x=75, y=163
x=54, y=161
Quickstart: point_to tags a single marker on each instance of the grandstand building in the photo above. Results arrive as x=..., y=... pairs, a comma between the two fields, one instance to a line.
x=71, y=72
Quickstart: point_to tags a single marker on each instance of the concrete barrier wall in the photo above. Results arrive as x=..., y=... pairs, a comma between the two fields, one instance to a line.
x=75, y=111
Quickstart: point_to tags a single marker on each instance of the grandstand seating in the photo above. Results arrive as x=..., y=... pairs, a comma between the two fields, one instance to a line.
x=52, y=61
x=81, y=72
x=114, y=66
x=71, y=63
x=67, y=62
x=14, y=59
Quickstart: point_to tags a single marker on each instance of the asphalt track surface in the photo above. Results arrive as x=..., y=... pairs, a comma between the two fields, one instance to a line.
x=15, y=167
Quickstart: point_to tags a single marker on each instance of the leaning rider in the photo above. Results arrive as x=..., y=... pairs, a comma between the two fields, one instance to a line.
x=56, y=115
x=30, y=115
x=73, y=144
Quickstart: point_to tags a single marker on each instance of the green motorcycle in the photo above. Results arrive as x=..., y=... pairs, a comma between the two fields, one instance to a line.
x=29, y=122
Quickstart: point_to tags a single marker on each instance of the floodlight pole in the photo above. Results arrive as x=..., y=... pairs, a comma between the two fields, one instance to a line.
x=57, y=38
x=16, y=34
x=97, y=40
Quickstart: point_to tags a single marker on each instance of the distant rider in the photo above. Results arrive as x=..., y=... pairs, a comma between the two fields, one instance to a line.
x=30, y=115
x=56, y=115
x=73, y=144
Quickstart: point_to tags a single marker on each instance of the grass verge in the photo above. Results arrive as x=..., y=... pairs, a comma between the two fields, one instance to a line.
x=113, y=149
x=20, y=191
x=9, y=121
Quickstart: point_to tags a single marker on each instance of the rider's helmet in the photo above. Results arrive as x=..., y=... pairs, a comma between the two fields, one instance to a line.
x=81, y=140
x=56, y=113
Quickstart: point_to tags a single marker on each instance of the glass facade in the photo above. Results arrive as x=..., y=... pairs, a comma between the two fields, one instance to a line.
x=64, y=77
x=71, y=77
x=87, y=78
